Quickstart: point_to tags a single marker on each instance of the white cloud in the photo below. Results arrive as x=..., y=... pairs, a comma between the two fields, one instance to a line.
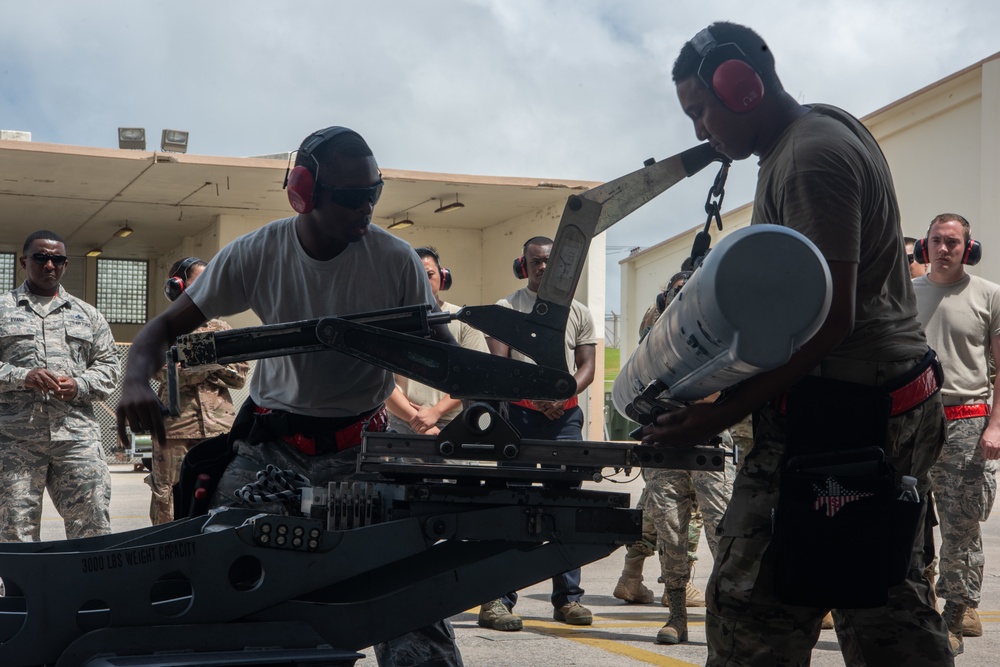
x=551, y=88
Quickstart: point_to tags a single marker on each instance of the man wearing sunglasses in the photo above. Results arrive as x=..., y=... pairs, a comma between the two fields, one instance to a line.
x=306, y=412
x=57, y=357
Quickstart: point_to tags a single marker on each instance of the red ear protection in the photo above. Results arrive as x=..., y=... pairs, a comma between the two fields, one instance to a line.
x=444, y=274
x=727, y=72
x=301, y=181
x=445, y=280
x=176, y=284
x=973, y=252
x=521, y=267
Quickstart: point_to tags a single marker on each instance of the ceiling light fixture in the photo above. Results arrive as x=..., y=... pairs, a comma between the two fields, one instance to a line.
x=124, y=231
x=402, y=224
x=454, y=206
x=94, y=253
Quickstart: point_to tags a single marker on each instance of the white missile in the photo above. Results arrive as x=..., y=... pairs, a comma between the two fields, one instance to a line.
x=756, y=299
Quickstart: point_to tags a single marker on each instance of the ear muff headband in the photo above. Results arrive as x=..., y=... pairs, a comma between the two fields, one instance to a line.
x=300, y=182
x=443, y=273
x=521, y=263
x=972, y=255
x=728, y=73
x=177, y=283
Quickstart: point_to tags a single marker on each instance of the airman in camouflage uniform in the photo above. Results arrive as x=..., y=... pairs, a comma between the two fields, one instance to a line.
x=205, y=406
x=206, y=410
x=57, y=357
x=676, y=505
x=961, y=317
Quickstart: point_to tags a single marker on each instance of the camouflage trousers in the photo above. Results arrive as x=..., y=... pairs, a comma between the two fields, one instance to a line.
x=432, y=645
x=989, y=488
x=167, y=459
x=76, y=477
x=669, y=503
x=747, y=625
x=958, y=479
x=647, y=545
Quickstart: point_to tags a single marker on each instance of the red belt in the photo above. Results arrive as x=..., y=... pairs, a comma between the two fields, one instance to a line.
x=571, y=402
x=915, y=392
x=904, y=399
x=339, y=440
x=953, y=412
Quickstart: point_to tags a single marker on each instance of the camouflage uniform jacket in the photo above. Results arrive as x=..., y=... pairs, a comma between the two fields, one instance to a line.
x=69, y=337
x=206, y=407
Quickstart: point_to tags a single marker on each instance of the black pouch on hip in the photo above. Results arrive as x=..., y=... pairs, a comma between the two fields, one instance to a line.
x=204, y=465
x=833, y=527
x=832, y=530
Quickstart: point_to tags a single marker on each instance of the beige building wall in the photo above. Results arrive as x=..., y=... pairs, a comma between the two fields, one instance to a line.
x=943, y=146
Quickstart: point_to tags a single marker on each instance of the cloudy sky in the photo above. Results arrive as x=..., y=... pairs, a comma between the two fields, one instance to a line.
x=576, y=89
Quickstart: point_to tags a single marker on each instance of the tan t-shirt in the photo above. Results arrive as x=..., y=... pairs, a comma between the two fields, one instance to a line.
x=468, y=337
x=959, y=319
x=826, y=177
x=579, y=324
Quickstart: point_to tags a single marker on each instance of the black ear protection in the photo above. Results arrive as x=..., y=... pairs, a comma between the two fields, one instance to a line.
x=301, y=180
x=728, y=73
x=443, y=273
x=521, y=263
x=178, y=282
x=973, y=252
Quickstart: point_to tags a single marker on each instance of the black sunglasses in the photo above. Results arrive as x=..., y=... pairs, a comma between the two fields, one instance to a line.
x=43, y=259
x=909, y=258
x=353, y=197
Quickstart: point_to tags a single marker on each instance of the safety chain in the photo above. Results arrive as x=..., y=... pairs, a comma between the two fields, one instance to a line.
x=274, y=485
x=713, y=207
x=718, y=189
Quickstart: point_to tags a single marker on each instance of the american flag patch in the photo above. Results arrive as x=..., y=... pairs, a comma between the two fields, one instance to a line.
x=835, y=496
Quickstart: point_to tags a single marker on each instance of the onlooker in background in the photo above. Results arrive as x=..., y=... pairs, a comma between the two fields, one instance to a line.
x=547, y=420
x=629, y=586
x=415, y=407
x=206, y=407
x=917, y=266
x=669, y=500
x=961, y=317
x=57, y=357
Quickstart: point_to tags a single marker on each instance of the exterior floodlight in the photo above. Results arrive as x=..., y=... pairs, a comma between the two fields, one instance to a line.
x=175, y=141
x=132, y=137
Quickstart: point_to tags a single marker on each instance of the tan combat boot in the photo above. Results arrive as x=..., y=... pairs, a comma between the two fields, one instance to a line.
x=630, y=587
x=496, y=616
x=971, y=625
x=676, y=629
x=953, y=615
x=692, y=596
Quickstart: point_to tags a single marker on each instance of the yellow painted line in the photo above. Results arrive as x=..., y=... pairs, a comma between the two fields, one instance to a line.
x=579, y=634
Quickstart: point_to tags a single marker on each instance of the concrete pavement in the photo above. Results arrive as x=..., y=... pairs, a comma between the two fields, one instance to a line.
x=621, y=634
